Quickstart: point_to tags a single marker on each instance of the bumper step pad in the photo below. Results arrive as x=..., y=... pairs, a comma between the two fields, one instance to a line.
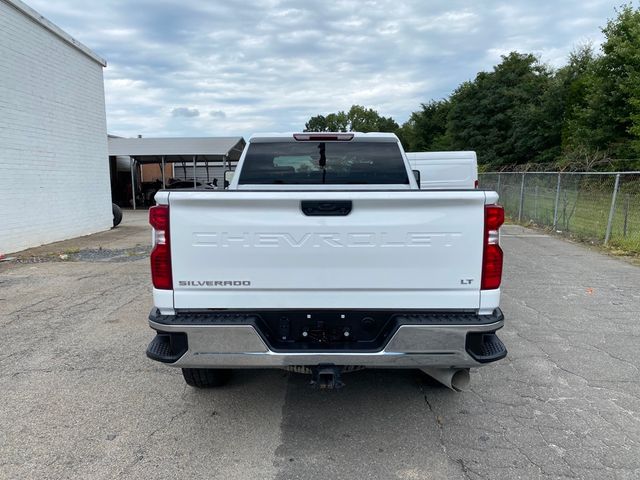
x=167, y=347
x=485, y=347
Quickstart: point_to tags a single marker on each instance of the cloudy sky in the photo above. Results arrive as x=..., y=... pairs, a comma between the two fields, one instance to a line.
x=206, y=68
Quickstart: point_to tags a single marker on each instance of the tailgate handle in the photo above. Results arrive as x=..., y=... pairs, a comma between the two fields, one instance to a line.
x=326, y=208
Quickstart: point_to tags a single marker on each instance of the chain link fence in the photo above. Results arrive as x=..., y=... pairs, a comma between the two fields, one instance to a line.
x=601, y=208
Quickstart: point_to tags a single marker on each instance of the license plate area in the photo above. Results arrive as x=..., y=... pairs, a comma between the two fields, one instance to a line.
x=326, y=329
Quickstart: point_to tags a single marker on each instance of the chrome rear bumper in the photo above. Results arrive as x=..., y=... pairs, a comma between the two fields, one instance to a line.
x=241, y=346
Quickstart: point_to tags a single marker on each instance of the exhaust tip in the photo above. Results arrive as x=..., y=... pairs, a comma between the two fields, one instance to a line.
x=457, y=379
x=460, y=380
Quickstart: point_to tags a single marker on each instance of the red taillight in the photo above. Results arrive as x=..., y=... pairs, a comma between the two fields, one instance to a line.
x=159, y=217
x=492, y=254
x=493, y=218
x=476, y=184
x=161, y=253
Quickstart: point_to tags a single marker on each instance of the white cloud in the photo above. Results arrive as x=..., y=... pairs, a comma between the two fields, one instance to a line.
x=185, y=112
x=212, y=68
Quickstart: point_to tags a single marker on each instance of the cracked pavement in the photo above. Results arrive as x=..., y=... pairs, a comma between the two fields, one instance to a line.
x=79, y=399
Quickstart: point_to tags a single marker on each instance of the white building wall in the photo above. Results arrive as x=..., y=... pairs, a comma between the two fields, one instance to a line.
x=54, y=169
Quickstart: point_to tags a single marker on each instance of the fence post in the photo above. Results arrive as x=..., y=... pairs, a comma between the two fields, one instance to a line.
x=626, y=215
x=555, y=208
x=498, y=187
x=521, y=198
x=612, y=210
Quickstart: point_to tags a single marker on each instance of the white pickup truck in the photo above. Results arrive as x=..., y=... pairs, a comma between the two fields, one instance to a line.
x=445, y=170
x=324, y=256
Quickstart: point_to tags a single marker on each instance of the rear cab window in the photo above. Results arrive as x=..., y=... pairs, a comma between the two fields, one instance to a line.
x=323, y=162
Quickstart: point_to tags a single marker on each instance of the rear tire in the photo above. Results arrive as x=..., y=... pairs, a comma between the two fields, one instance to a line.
x=117, y=215
x=206, y=377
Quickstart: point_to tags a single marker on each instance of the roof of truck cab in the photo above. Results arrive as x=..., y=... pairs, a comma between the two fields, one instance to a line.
x=357, y=136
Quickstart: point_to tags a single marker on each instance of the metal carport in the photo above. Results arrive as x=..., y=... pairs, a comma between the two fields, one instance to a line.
x=221, y=153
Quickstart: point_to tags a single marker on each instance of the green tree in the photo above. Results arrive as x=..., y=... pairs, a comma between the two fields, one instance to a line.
x=573, y=82
x=334, y=122
x=387, y=124
x=426, y=129
x=357, y=119
x=362, y=119
x=610, y=120
x=492, y=114
x=316, y=124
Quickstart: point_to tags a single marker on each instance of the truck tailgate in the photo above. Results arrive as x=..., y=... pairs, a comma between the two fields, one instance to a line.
x=394, y=250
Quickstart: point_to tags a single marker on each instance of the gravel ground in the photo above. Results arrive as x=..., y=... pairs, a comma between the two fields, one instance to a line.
x=80, y=399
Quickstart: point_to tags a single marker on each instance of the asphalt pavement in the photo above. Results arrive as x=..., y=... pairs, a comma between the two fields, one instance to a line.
x=79, y=399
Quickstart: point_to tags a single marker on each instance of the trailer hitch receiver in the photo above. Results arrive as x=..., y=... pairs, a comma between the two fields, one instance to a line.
x=327, y=377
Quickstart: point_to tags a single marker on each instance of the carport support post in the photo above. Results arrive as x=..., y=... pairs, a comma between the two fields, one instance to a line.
x=225, y=167
x=521, y=198
x=163, y=179
x=132, y=163
x=612, y=210
x=555, y=208
x=194, y=171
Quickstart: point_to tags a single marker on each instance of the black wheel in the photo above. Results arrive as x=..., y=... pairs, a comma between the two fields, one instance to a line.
x=206, y=377
x=117, y=214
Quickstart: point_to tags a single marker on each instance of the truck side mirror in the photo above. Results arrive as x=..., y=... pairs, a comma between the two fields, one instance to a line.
x=416, y=173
